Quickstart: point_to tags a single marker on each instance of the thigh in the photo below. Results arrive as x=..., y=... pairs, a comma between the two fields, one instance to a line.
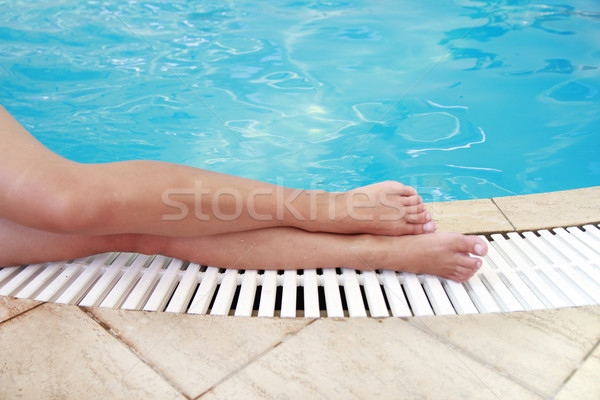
x=20, y=245
x=23, y=159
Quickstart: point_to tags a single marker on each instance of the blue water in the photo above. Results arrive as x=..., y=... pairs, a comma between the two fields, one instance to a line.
x=462, y=99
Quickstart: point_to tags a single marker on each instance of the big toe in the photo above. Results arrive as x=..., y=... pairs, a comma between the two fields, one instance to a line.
x=429, y=227
x=416, y=229
x=418, y=218
x=479, y=247
x=470, y=244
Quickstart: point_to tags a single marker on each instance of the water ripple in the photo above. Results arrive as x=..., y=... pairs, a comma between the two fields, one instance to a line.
x=459, y=99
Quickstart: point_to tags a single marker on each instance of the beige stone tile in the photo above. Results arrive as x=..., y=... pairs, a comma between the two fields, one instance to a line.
x=9, y=307
x=364, y=359
x=468, y=216
x=59, y=352
x=197, y=351
x=545, y=210
x=539, y=349
x=585, y=382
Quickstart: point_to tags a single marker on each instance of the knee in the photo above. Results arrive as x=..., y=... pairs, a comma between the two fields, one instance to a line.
x=54, y=195
x=64, y=209
x=61, y=202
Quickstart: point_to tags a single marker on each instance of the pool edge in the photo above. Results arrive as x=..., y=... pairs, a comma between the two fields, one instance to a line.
x=547, y=210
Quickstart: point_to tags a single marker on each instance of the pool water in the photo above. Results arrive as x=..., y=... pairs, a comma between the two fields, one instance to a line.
x=462, y=99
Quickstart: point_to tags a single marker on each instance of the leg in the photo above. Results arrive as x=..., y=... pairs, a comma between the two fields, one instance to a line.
x=45, y=191
x=443, y=254
x=20, y=245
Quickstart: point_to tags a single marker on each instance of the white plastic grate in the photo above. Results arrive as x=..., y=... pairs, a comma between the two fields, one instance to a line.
x=528, y=271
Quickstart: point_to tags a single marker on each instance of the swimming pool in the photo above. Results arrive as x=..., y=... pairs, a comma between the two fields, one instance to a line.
x=462, y=99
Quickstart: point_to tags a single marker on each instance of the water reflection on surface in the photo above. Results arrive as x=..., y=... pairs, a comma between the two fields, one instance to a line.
x=463, y=100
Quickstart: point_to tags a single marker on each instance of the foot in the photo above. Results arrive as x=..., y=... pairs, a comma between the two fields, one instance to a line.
x=446, y=254
x=385, y=208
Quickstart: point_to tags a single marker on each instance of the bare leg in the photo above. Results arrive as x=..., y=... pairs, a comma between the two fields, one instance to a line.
x=442, y=254
x=21, y=245
x=45, y=191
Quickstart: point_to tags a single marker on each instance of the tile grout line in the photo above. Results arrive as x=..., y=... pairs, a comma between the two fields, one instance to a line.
x=22, y=313
x=574, y=371
x=503, y=214
x=473, y=357
x=135, y=352
x=550, y=204
x=253, y=359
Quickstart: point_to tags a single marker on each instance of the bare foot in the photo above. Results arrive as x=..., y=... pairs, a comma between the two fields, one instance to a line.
x=385, y=208
x=445, y=254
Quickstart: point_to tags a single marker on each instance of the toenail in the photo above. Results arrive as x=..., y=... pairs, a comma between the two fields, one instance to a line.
x=428, y=227
x=479, y=249
x=428, y=216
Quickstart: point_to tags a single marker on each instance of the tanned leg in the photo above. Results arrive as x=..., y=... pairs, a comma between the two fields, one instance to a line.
x=20, y=245
x=445, y=254
x=442, y=254
x=42, y=190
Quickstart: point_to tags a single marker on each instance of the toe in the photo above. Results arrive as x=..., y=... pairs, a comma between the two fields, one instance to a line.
x=420, y=218
x=415, y=213
x=407, y=191
x=429, y=227
x=471, y=244
x=479, y=247
x=410, y=229
x=469, y=263
x=416, y=229
x=462, y=275
x=466, y=269
x=411, y=200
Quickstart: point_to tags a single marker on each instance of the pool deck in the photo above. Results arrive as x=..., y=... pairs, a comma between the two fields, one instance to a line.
x=67, y=352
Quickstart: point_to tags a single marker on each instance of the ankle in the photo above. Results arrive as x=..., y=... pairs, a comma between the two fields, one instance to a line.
x=366, y=252
x=312, y=211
